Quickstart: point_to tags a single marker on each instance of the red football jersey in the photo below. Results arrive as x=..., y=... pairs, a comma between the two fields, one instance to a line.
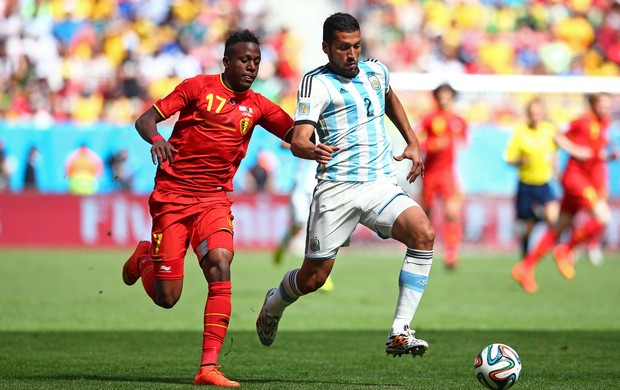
x=212, y=133
x=439, y=133
x=589, y=132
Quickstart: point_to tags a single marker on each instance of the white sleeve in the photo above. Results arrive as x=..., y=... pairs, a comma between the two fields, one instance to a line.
x=312, y=99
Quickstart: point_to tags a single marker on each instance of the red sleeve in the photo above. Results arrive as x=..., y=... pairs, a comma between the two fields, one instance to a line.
x=422, y=133
x=274, y=119
x=464, y=130
x=178, y=99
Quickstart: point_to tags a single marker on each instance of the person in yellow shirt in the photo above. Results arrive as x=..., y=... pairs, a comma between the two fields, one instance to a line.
x=83, y=168
x=532, y=149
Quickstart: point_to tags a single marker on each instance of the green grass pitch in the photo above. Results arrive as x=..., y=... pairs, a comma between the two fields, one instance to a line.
x=68, y=322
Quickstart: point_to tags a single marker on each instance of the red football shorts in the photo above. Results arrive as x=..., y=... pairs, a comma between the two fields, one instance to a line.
x=438, y=186
x=580, y=193
x=204, y=222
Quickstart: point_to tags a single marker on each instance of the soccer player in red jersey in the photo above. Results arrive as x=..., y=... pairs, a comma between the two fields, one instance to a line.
x=196, y=165
x=440, y=134
x=585, y=188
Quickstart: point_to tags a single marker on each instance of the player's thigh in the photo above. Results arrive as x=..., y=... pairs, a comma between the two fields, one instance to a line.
x=453, y=205
x=333, y=218
x=391, y=213
x=212, y=228
x=413, y=228
x=168, y=248
x=524, y=202
x=300, y=206
x=602, y=212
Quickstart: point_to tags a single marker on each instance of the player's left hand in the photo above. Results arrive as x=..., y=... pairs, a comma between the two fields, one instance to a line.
x=323, y=153
x=414, y=154
x=162, y=151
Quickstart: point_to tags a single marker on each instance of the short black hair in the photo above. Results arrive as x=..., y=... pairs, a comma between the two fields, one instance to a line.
x=237, y=36
x=443, y=86
x=593, y=98
x=339, y=22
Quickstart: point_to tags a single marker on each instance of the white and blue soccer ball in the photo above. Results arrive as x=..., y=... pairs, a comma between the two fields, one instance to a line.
x=497, y=366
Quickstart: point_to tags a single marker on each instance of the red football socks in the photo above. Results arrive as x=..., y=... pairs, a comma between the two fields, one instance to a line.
x=217, y=316
x=145, y=265
x=544, y=245
x=452, y=240
x=589, y=229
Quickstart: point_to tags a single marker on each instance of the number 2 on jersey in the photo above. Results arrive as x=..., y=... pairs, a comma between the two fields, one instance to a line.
x=369, y=110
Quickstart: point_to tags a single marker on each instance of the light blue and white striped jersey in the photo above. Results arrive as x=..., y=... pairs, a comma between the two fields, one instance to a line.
x=349, y=113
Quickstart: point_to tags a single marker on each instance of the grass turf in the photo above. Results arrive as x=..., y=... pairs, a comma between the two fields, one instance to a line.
x=68, y=322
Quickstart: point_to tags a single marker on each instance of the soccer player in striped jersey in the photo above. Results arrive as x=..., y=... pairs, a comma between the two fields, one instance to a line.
x=189, y=205
x=347, y=101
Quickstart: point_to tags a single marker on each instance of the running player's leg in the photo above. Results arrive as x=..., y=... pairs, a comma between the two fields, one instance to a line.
x=212, y=240
x=403, y=220
x=330, y=225
x=452, y=227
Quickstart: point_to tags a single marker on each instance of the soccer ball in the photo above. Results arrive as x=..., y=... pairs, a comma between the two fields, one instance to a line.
x=497, y=366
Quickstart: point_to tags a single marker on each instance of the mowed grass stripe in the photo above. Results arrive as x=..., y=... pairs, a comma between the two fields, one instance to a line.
x=67, y=321
x=300, y=360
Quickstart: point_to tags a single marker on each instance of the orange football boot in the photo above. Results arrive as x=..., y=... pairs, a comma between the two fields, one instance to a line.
x=564, y=260
x=524, y=275
x=210, y=375
x=131, y=272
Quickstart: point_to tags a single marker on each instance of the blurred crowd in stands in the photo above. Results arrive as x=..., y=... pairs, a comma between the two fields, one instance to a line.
x=562, y=37
x=106, y=60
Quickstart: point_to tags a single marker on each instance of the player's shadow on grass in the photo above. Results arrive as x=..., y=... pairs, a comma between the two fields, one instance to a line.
x=309, y=359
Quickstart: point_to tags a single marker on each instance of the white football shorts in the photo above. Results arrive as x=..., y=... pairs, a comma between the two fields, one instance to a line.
x=337, y=208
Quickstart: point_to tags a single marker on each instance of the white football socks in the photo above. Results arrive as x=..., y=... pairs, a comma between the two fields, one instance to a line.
x=412, y=282
x=285, y=294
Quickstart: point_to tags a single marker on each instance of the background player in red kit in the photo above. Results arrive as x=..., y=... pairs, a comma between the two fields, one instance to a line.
x=585, y=188
x=196, y=166
x=440, y=132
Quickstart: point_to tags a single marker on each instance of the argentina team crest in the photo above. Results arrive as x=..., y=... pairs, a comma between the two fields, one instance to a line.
x=244, y=125
x=315, y=245
x=374, y=82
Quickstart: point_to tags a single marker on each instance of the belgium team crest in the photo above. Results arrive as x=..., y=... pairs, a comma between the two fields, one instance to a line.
x=244, y=125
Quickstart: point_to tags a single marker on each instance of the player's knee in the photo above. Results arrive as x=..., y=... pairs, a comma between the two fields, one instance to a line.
x=311, y=284
x=166, y=301
x=423, y=237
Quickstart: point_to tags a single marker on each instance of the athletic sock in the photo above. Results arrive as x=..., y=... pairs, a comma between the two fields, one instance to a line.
x=525, y=241
x=217, y=315
x=147, y=272
x=411, y=284
x=591, y=228
x=452, y=240
x=285, y=294
x=544, y=245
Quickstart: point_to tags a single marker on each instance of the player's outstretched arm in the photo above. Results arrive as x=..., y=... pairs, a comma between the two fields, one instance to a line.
x=146, y=125
x=395, y=111
x=576, y=151
x=303, y=147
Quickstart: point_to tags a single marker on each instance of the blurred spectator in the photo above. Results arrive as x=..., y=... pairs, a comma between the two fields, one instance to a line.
x=260, y=174
x=84, y=168
x=123, y=176
x=30, y=174
x=88, y=61
x=5, y=172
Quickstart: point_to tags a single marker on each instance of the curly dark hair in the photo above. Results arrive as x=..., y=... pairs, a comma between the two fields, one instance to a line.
x=237, y=36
